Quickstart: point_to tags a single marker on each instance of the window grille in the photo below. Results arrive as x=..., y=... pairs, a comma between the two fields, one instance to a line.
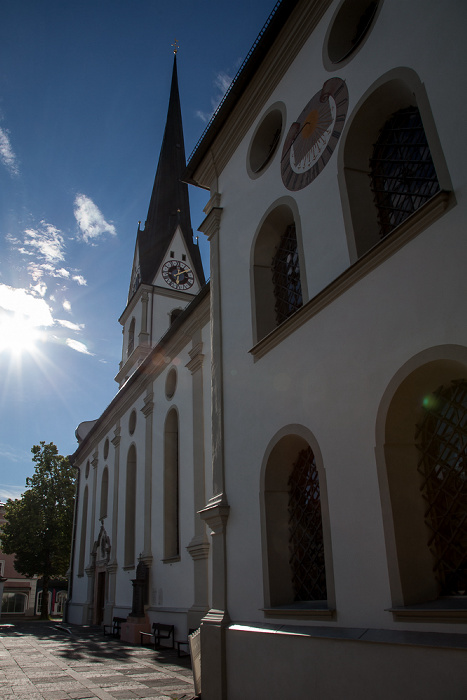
x=403, y=176
x=443, y=466
x=286, y=276
x=306, y=530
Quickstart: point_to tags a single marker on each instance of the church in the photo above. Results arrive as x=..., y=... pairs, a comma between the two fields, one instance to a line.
x=284, y=465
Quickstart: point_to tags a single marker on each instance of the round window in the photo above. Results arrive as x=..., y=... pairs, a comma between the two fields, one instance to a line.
x=349, y=28
x=132, y=422
x=265, y=140
x=171, y=383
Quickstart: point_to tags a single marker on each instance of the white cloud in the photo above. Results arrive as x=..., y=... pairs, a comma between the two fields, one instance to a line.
x=21, y=302
x=90, y=219
x=71, y=326
x=80, y=280
x=66, y=305
x=79, y=347
x=222, y=82
x=7, y=156
x=46, y=241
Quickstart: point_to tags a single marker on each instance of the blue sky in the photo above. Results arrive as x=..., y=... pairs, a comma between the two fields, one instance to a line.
x=84, y=88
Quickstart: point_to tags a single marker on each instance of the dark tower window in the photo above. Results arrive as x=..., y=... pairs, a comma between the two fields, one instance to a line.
x=403, y=176
x=306, y=545
x=131, y=337
x=286, y=276
x=443, y=466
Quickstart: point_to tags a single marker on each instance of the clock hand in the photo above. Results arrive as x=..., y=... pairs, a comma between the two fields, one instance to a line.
x=181, y=272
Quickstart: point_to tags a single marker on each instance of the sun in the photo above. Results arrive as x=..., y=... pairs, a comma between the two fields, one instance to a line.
x=18, y=334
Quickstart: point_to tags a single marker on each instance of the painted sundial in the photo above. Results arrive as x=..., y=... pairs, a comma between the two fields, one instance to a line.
x=313, y=137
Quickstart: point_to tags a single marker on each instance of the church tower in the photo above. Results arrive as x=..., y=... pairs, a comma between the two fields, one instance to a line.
x=167, y=271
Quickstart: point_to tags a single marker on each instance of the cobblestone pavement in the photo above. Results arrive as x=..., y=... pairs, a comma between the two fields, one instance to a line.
x=45, y=661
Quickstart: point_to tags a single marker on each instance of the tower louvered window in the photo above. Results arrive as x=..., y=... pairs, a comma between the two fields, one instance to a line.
x=306, y=545
x=403, y=176
x=286, y=276
x=443, y=465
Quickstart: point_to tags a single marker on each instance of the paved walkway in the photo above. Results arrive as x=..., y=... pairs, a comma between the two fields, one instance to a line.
x=42, y=661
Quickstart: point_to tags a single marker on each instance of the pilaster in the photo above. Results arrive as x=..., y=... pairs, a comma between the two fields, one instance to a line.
x=147, y=411
x=199, y=545
x=216, y=512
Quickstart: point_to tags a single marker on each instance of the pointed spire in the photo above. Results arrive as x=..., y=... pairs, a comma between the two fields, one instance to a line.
x=169, y=205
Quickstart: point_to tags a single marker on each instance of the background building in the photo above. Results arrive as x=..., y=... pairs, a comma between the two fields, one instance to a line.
x=19, y=592
x=313, y=399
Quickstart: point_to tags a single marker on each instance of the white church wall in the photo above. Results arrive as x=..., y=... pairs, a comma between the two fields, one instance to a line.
x=329, y=375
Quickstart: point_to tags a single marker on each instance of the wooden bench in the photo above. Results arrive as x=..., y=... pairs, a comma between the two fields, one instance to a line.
x=114, y=628
x=184, y=642
x=159, y=631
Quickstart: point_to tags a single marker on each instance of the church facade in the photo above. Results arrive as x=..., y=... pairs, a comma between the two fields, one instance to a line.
x=288, y=454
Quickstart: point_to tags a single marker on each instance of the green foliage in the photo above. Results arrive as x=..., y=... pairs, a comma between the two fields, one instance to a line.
x=38, y=526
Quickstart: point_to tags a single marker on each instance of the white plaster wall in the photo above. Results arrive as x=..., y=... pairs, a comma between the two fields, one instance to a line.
x=330, y=374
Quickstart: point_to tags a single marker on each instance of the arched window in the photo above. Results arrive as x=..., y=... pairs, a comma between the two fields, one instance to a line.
x=298, y=561
x=130, y=508
x=104, y=493
x=442, y=441
x=82, y=541
x=403, y=176
x=278, y=279
x=171, y=487
x=175, y=313
x=421, y=455
x=131, y=337
x=286, y=276
x=306, y=545
x=391, y=165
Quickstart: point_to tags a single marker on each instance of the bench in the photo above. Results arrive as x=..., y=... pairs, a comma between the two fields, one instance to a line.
x=159, y=631
x=114, y=628
x=184, y=642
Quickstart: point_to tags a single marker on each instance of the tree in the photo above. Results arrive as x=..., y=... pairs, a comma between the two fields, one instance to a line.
x=38, y=526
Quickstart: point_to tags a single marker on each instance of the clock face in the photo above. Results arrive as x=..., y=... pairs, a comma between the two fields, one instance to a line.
x=177, y=274
x=135, y=282
x=313, y=137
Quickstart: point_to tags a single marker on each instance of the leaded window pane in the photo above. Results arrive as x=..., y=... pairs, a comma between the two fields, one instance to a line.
x=443, y=466
x=403, y=176
x=286, y=276
x=306, y=545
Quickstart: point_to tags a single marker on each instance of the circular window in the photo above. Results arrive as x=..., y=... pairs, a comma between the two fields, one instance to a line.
x=132, y=422
x=348, y=29
x=86, y=472
x=106, y=448
x=265, y=140
x=171, y=383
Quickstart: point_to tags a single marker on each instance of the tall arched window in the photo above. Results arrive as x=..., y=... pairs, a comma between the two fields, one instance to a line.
x=391, y=165
x=171, y=486
x=278, y=279
x=131, y=337
x=104, y=493
x=442, y=441
x=421, y=455
x=306, y=545
x=298, y=561
x=286, y=276
x=403, y=176
x=82, y=541
x=130, y=508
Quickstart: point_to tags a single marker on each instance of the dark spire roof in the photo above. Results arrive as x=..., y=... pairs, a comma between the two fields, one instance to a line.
x=169, y=205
